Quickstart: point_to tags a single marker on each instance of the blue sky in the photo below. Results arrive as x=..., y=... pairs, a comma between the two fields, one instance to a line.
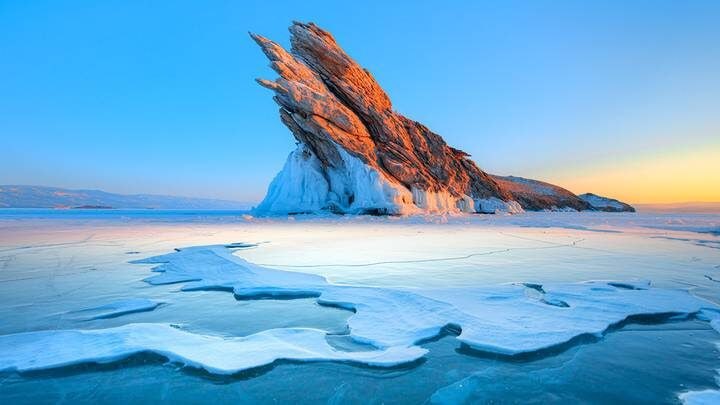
x=152, y=96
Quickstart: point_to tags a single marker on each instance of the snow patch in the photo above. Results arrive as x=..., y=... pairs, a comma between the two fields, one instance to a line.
x=305, y=186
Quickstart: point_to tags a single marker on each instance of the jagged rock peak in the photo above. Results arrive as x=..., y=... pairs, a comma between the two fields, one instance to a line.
x=355, y=154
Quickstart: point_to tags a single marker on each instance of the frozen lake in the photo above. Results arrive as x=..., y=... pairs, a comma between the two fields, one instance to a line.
x=440, y=305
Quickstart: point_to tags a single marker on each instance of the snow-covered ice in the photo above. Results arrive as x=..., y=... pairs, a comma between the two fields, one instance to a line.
x=219, y=355
x=506, y=319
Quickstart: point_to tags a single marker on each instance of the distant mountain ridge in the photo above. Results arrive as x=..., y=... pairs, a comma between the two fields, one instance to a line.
x=683, y=207
x=23, y=196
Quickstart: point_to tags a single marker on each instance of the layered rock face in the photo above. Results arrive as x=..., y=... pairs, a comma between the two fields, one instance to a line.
x=535, y=195
x=356, y=155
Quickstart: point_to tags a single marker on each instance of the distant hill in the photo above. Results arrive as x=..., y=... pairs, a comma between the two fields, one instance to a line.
x=13, y=196
x=688, y=207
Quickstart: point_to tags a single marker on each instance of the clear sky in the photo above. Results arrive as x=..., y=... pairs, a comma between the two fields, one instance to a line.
x=620, y=98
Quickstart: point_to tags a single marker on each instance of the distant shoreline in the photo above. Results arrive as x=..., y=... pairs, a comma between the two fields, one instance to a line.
x=680, y=208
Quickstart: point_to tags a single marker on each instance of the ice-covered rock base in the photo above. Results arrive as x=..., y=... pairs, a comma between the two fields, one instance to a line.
x=306, y=185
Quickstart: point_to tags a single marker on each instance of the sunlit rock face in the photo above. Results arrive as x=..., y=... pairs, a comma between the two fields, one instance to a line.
x=535, y=195
x=356, y=155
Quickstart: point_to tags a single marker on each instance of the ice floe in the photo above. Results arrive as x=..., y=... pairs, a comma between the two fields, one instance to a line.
x=30, y=351
x=507, y=319
x=215, y=267
x=704, y=397
x=119, y=308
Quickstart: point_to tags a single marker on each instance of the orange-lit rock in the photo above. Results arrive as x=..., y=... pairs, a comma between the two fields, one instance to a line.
x=371, y=158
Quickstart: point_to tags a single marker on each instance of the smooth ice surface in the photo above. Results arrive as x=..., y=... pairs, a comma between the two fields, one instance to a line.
x=708, y=396
x=51, y=349
x=118, y=308
x=704, y=397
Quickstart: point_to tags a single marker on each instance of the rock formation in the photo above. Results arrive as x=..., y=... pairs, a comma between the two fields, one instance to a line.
x=535, y=195
x=356, y=155
x=600, y=203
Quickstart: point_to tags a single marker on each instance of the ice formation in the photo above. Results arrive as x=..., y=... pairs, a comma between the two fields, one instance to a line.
x=305, y=186
x=218, y=355
x=704, y=397
x=494, y=205
x=508, y=319
x=119, y=308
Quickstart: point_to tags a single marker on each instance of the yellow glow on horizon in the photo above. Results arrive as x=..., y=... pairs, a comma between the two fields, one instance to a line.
x=685, y=176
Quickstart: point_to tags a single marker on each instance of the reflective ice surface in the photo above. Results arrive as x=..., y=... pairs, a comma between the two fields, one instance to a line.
x=54, y=264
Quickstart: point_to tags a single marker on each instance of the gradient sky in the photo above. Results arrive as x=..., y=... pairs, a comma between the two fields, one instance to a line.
x=618, y=98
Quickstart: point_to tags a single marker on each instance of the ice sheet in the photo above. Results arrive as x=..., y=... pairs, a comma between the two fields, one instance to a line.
x=219, y=355
x=118, y=308
x=82, y=267
x=704, y=397
x=507, y=319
